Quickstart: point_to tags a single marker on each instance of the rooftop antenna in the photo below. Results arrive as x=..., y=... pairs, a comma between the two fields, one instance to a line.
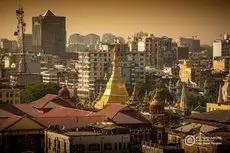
x=20, y=38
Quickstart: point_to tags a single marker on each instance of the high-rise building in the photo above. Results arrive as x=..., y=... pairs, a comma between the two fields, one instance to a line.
x=49, y=34
x=159, y=51
x=221, y=47
x=192, y=43
x=28, y=43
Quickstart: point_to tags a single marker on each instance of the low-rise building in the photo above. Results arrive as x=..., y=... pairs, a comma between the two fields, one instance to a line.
x=108, y=139
x=9, y=94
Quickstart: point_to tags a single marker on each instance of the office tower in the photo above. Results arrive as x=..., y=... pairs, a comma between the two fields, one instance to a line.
x=49, y=34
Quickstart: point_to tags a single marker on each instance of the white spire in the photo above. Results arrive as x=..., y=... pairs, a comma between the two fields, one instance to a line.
x=183, y=104
x=220, y=96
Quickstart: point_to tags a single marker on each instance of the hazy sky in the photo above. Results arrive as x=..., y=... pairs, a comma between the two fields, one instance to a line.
x=206, y=18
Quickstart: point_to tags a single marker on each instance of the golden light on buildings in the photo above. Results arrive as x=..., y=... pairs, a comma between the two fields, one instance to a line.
x=115, y=91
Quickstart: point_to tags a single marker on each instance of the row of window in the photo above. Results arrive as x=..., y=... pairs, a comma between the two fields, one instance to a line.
x=9, y=94
x=98, y=147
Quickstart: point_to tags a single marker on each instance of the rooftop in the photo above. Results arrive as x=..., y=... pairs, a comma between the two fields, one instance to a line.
x=220, y=116
x=83, y=133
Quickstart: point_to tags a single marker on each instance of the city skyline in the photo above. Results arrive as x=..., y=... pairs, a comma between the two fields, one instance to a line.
x=207, y=19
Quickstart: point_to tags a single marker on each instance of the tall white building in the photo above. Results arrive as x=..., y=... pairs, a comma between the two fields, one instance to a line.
x=221, y=47
x=159, y=51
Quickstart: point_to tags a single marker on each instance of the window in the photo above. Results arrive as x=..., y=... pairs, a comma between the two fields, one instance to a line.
x=54, y=148
x=11, y=94
x=65, y=149
x=79, y=148
x=58, y=146
x=49, y=143
x=94, y=147
x=7, y=94
x=115, y=146
x=124, y=145
x=107, y=146
x=120, y=145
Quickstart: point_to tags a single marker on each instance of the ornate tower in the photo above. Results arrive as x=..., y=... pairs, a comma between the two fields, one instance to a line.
x=115, y=91
x=133, y=100
x=156, y=109
x=20, y=37
x=144, y=105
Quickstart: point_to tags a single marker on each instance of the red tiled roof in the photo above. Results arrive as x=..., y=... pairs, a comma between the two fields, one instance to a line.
x=65, y=111
x=111, y=110
x=42, y=102
x=70, y=122
x=11, y=109
x=130, y=117
x=9, y=121
x=5, y=114
x=29, y=109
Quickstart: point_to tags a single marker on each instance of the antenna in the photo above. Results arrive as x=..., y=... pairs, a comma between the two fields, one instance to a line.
x=20, y=37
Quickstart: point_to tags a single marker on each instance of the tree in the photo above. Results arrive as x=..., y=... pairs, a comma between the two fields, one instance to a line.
x=172, y=119
x=34, y=91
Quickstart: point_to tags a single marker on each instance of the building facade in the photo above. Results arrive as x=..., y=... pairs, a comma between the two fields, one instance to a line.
x=49, y=34
x=9, y=95
x=221, y=47
x=192, y=43
x=221, y=63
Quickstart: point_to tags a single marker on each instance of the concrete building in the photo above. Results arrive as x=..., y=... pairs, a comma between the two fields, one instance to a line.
x=28, y=43
x=182, y=53
x=221, y=47
x=9, y=94
x=96, y=67
x=49, y=76
x=159, y=51
x=9, y=46
x=87, y=142
x=221, y=63
x=192, y=43
x=49, y=34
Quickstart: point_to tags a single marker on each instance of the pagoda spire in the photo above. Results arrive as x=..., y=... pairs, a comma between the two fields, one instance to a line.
x=145, y=104
x=133, y=100
x=115, y=91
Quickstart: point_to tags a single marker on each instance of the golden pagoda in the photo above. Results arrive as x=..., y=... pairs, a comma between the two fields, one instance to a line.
x=115, y=91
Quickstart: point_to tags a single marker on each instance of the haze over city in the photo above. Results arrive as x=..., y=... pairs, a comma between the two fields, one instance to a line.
x=206, y=18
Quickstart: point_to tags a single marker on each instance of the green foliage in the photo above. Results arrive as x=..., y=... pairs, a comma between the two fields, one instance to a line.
x=34, y=91
x=194, y=99
x=172, y=119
